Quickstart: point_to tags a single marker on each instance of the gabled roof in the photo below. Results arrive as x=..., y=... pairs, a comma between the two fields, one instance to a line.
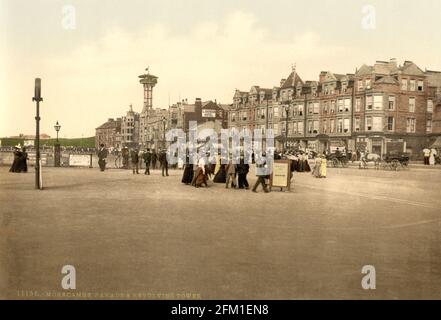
x=110, y=124
x=364, y=70
x=226, y=107
x=411, y=68
x=292, y=81
x=330, y=77
x=387, y=80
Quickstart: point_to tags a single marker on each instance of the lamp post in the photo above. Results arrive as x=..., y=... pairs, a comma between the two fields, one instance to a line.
x=57, y=151
x=286, y=107
x=37, y=98
x=164, y=121
x=57, y=128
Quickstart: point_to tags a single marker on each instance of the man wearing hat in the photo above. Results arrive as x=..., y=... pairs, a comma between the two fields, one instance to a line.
x=147, y=156
x=102, y=157
x=163, y=162
x=135, y=161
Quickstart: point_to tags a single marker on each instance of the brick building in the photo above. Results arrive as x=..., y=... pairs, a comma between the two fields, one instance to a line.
x=181, y=113
x=109, y=134
x=381, y=108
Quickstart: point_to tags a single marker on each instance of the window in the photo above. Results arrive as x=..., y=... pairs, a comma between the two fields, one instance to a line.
x=333, y=106
x=429, y=125
x=344, y=86
x=358, y=105
x=404, y=84
x=390, y=123
x=310, y=108
x=420, y=85
x=300, y=110
x=316, y=108
x=369, y=123
x=347, y=104
x=410, y=125
x=340, y=105
x=325, y=126
x=339, y=125
x=360, y=85
x=294, y=127
x=332, y=128
x=300, y=127
x=310, y=124
x=346, y=125
x=411, y=104
x=233, y=117
x=325, y=107
x=430, y=106
x=314, y=91
x=412, y=85
x=369, y=103
x=378, y=102
x=368, y=83
x=391, y=106
x=357, y=124
x=276, y=112
x=316, y=127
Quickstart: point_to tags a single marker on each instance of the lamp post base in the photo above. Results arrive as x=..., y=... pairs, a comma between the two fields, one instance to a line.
x=57, y=155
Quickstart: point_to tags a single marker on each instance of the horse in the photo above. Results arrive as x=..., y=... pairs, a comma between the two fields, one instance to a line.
x=370, y=157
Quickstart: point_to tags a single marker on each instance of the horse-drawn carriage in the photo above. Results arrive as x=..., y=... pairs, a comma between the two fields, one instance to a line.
x=337, y=160
x=390, y=161
x=395, y=162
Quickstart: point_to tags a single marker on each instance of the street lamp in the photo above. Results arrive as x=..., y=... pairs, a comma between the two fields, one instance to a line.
x=57, y=150
x=37, y=98
x=57, y=128
x=286, y=107
x=164, y=121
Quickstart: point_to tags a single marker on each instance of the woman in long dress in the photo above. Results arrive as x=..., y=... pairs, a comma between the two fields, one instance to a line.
x=221, y=175
x=17, y=164
x=187, y=177
x=324, y=166
x=316, y=172
x=306, y=166
x=432, y=157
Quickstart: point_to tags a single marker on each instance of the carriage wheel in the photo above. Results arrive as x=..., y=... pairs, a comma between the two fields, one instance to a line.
x=344, y=164
x=395, y=164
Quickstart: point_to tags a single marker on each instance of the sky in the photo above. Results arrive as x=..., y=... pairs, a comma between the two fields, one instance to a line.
x=89, y=53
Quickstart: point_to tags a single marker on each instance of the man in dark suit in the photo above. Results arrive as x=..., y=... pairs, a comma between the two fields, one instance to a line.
x=147, y=156
x=163, y=162
x=242, y=170
x=102, y=157
x=135, y=161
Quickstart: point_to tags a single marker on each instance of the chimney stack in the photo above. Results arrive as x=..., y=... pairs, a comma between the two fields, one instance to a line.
x=198, y=102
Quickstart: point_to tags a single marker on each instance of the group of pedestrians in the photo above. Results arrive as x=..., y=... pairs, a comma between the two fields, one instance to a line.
x=232, y=175
x=430, y=156
x=134, y=156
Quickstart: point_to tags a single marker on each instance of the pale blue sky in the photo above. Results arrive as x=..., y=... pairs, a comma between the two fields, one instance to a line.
x=197, y=48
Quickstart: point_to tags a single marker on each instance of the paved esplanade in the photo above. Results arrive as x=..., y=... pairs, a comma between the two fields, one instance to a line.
x=154, y=236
